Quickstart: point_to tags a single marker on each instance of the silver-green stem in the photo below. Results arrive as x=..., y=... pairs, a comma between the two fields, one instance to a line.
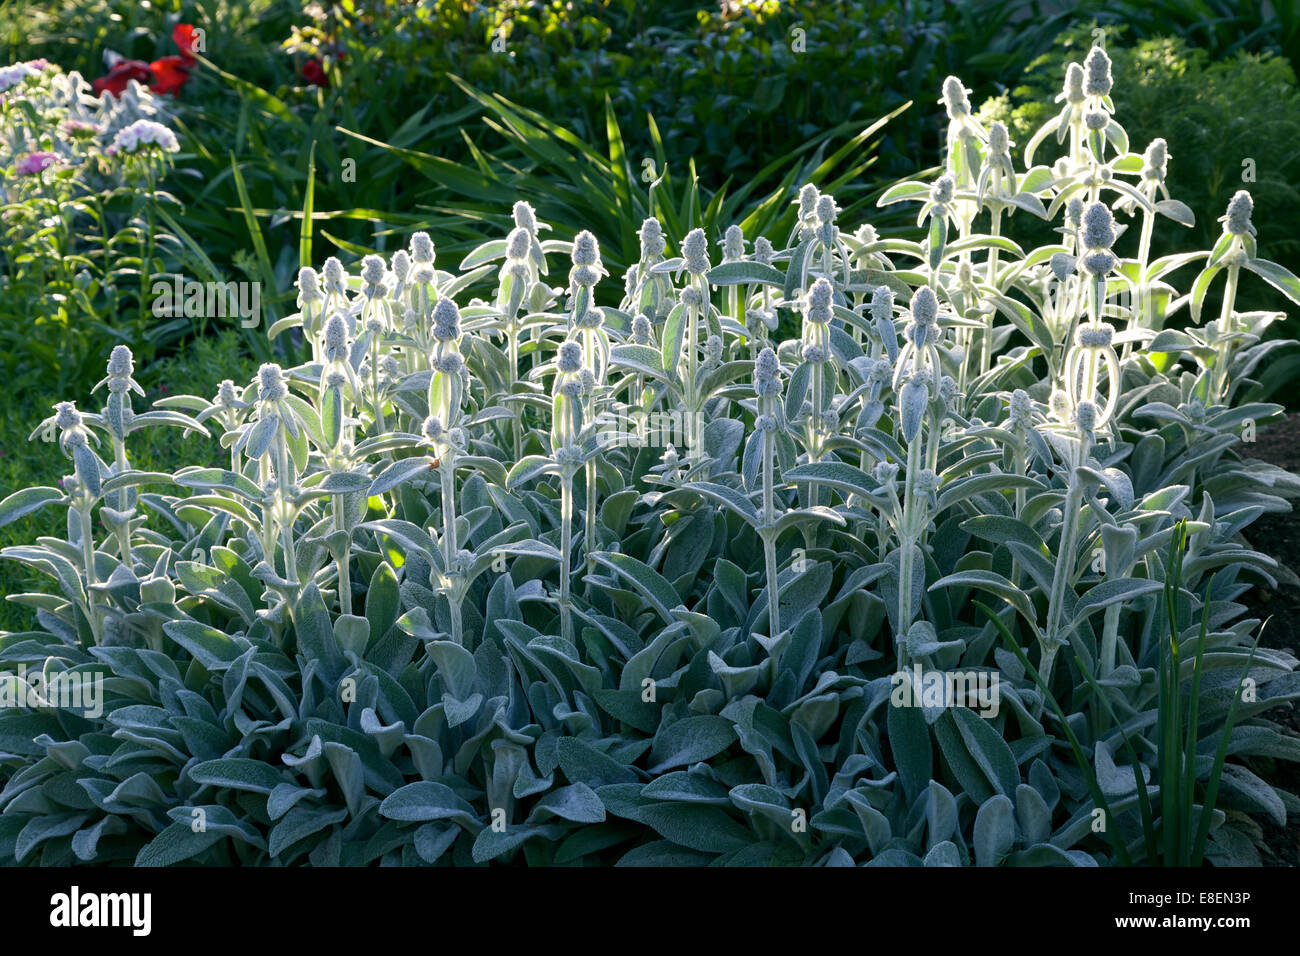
x=566, y=549
x=768, y=534
x=344, y=566
x=1227, y=325
x=450, y=545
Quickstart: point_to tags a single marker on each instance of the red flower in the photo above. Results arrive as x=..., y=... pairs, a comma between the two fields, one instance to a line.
x=314, y=73
x=122, y=73
x=183, y=37
x=165, y=75
x=170, y=73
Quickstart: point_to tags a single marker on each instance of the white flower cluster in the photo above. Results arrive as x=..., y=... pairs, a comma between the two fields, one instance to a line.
x=143, y=134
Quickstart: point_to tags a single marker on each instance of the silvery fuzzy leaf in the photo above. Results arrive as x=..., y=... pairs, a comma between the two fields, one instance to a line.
x=1119, y=543
x=301, y=823
x=25, y=501
x=1115, y=781
x=909, y=740
x=875, y=825
x=943, y=854
x=285, y=796
x=1243, y=787
x=176, y=843
x=433, y=840
x=1063, y=265
x=913, y=398
x=690, y=740
x=1116, y=482
x=979, y=757
x=701, y=828
x=995, y=830
x=1033, y=815
x=89, y=469
x=576, y=802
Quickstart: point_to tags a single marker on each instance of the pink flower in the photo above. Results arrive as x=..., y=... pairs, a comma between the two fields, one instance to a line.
x=34, y=163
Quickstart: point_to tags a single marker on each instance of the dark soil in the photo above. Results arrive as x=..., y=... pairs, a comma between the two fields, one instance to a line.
x=1278, y=535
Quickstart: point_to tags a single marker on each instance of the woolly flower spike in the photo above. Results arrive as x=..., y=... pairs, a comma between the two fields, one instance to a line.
x=1073, y=92
x=733, y=244
x=308, y=286
x=1020, y=407
x=1155, y=160
x=866, y=234
x=586, y=261
x=334, y=277
x=145, y=134
x=446, y=320
x=815, y=354
x=1098, y=226
x=999, y=141
x=372, y=271
x=1237, y=220
x=652, y=239
x=763, y=251
x=767, y=381
x=1098, y=81
x=1097, y=336
x=421, y=249
x=1100, y=262
x=885, y=472
x=808, y=197
x=1096, y=120
x=591, y=319
x=271, y=386
x=432, y=428
x=449, y=364
x=941, y=191
x=569, y=358
x=336, y=337
x=121, y=364
x=691, y=297
x=695, y=252
x=1074, y=214
x=924, y=306
x=882, y=304
x=525, y=217
x=401, y=265
x=519, y=243
x=927, y=484
x=818, y=305
x=826, y=209
x=1085, y=415
x=586, y=251
x=641, y=330
x=66, y=416
x=955, y=99
x=1059, y=403
x=227, y=397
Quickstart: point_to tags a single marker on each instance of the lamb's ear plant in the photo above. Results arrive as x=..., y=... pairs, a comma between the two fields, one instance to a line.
x=369, y=629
